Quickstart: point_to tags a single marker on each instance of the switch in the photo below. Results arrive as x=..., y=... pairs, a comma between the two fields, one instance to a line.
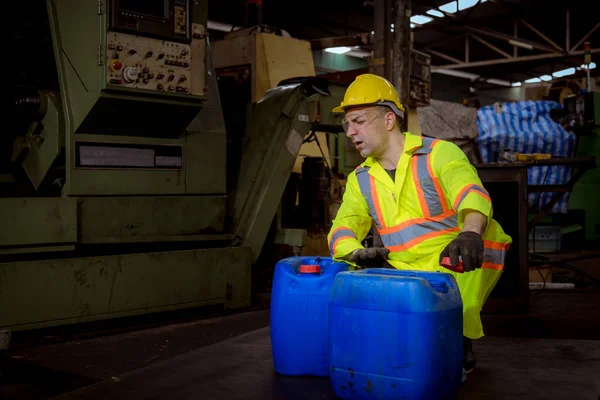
x=171, y=88
x=115, y=65
x=111, y=46
x=149, y=54
x=119, y=48
x=159, y=86
x=116, y=55
x=183, y=78
x=132, y=52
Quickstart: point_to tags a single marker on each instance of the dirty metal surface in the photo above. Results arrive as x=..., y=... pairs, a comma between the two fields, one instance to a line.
x=241, y=368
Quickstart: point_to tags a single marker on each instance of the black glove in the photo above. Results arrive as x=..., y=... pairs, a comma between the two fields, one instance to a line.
x=373, y=257
x=468, y=245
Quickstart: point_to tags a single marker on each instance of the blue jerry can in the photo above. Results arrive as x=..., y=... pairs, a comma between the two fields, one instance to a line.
x=299, y=314
x=395, y=335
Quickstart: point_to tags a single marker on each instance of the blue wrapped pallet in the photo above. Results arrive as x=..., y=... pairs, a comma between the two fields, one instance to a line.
x=395, y=335
x=299, y=314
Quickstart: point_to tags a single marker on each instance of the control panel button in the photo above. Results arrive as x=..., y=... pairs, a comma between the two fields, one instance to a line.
x=111, y=46
x=145, y=70
x=115, y=65
x=149, y=54
x=115, y=81
x=159, y=86
x=130, y=74
x=160, y=56
x=182, y=78
x=132, y=52
x=171, y=88
x=160, y=76
x=171, y=77
x=119, y=48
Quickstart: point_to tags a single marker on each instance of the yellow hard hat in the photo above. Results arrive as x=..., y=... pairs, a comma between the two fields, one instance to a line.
x=369, y=89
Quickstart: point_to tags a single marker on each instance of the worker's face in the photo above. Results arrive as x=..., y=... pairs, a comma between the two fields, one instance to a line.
x=367, y=130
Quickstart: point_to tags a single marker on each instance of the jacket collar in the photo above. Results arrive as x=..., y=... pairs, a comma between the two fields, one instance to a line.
x=411, y=143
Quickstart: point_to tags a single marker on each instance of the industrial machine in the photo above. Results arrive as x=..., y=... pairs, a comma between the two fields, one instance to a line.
x=113, y=172
x=582, y=116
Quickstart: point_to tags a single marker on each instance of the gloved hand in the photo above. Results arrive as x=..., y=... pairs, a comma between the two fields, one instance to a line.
x=467, y=245
x=373, y=257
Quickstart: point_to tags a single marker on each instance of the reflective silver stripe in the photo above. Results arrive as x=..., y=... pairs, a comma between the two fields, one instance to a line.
x=364, y=182
x=475, y=188
x=419, y=229
x=494, y=256
x=426, y=180
x=338, y=234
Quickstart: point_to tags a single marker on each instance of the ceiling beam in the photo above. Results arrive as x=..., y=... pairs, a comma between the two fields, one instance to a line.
x=511, y=60
x=508, y=38
x=587, y=35
x=491, y=46
x=442, y=55
x=540, y=34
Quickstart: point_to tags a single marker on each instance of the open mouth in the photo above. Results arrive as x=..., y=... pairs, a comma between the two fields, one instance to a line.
x=358, y=143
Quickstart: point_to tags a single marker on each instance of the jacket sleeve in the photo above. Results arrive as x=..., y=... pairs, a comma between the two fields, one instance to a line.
x=460, y=182
x=351, y=224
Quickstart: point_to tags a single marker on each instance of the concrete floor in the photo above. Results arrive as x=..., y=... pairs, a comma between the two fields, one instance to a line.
x=551, y=353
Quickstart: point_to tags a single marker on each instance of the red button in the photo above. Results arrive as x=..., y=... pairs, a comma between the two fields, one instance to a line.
x=310, y=269
x=116, y=65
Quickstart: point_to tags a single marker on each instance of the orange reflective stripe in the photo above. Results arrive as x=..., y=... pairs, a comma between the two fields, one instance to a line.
x=376, y=204
x=470, y=189
x=420, y=193
x=495, y=245
x=338, y=234
x=421, y=239
x=489, y=265
x=415, y=221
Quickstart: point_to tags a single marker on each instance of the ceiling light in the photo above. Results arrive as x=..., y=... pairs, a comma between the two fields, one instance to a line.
x=533, y=80
x=435, y=13
x=498, y=82
x=515, y=84
x=463, y=4
x=420, y=19
x=338, y=50
x=546, y=78
x=564, y=72
x=450, y=8
x=592, y=66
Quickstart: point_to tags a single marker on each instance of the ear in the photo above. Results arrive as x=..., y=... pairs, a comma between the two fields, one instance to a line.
x=390, y=120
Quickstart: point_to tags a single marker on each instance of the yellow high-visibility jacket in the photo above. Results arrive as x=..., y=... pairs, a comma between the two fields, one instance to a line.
x=419, y=213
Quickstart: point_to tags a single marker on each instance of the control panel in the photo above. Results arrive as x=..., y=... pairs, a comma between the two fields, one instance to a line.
x=151, y=64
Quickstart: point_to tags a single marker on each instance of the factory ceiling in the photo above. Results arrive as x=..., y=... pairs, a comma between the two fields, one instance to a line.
x=508, y=40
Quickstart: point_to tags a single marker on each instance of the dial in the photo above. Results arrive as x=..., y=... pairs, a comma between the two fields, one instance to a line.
x=130, y=74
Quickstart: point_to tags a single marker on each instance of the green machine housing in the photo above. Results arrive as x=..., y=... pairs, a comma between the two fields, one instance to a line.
x=113, y=184
x=126, y=166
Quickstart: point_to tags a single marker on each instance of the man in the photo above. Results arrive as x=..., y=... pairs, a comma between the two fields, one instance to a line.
x=424, y=198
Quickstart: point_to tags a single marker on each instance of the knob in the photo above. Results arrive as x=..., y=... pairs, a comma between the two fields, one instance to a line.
x=182, y=78
x=159, y=86
x=160, y=56
x=132, y=52
x=171, y=77
x=171, y=88
x=149, y=54
x=130, y=74
x=184, y=53
x=145, y=70
x=146, y=80
x=160, y=76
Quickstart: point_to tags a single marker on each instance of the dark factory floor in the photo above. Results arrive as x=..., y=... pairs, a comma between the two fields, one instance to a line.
x=551, y=353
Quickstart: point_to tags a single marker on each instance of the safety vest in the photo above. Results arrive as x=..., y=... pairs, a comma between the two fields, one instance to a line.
x=417, y=215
